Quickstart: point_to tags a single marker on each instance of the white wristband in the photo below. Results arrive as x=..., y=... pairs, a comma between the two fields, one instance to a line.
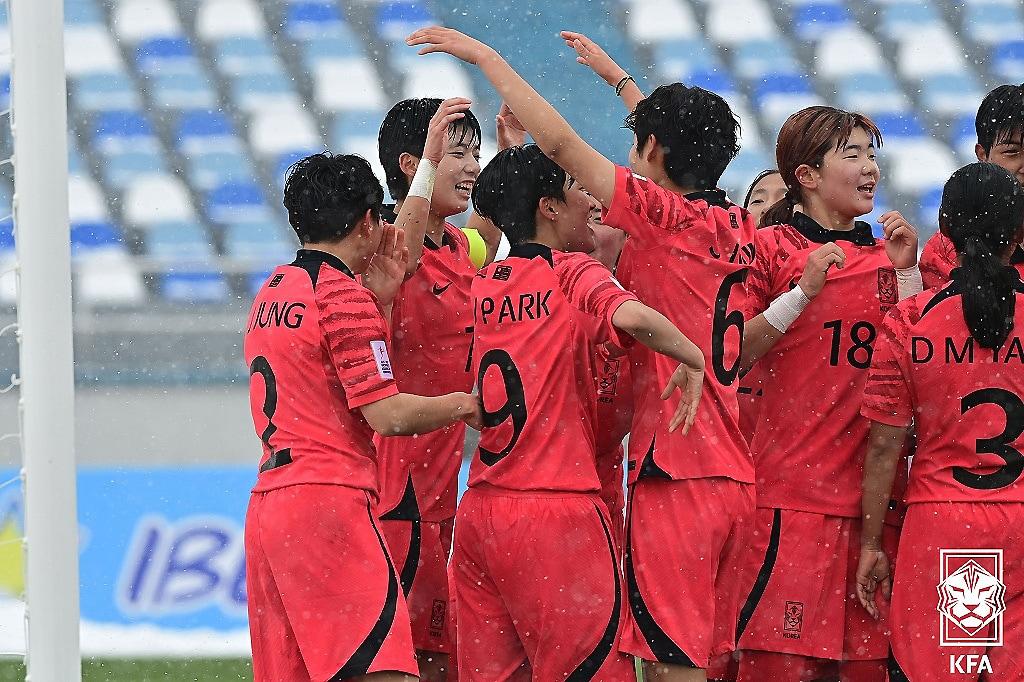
x=909, y=282
x=784, y=310
x=422, y=184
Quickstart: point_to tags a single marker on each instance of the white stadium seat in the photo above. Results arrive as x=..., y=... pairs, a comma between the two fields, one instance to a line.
x=218, y=19
x=657, y=20
x=730, y=23
x=348, y=84
x=917, y=164
x=108, y=278
x=437, y=78
x=157, y=197
x=276, y=131
x=88, y=48
x=933, y=51
x=849, y=51
x=136, y=20
x=86, y=202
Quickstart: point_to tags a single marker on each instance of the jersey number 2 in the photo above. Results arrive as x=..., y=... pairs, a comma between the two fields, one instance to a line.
x=1013, y=406
x=515, y=402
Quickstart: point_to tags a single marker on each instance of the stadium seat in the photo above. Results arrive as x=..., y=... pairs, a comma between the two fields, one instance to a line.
x=104, y=92
x=89, y=238
x=715, y=80
x=779, y=95
x=202, y=286
x=758, y=58
x=213, y=169
x=871, y=94
x=898, y=125
x=950, y=94
x=136, y=20
x=991, y=22
x=308, y=20
x=930, y=201
x=263, y=243
x=363, y=89
x=1008, y=61
x=677, y=59
x=108, y=278
x=355, y=123
x=237, y=202
x=89, y=49
x=217, y=19
x=316, y=50
x=928, y=52
x=177, y=242
x=812, y=21
x=123, y=131
x=155, y=198
x=441, y=78
x=121, y=168
x=963, y=138
x=738, y=21
x=849, y=51
x=656, y=21
x=86, y=202
x=80, y=12
x=742, y=171
x=263, y=91
x=396, y=20
x=899, y=18
x=182, y=91
x=238, y=55
x=165, y=55
x=917, y=164
x=200, y=132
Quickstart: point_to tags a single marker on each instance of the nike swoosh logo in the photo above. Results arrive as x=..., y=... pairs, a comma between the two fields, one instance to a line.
x=438, y=290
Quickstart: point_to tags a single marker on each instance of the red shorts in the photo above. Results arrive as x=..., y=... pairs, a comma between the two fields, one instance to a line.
x=420, y=550
x=917, y=651
x=683, y=539
x=324, y=598
x=537, y=588
x=804, y=599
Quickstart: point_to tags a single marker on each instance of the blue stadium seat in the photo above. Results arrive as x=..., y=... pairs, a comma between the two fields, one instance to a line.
x=813, y=20
x=5, y=90
x=284, y=161
x=355, y=123
x=929, y=202
x=963, y=137
x=264, y=242
x=1008, y=61
x=204, y=125
x=782, y=83
x=6, y=236
x=677, y=59
x=235, y=202
x=210, y=170
x=79, y=12
x=899, y=125
x=105, y=92
x=742, y=171
x=121, y=168
x=396, y=20
x=950, y=94
x=252, y=92
x=319, y=49
x=871, y=93
x=235, y=56
x=307, y=20
x=119, y=131
x=165, y=55
x=759, y=57
x=715, y=80
x=992, y=22
x=180, y=242
x=897, y=18
x=194, y=287
x=88, y=237
x=182, y=91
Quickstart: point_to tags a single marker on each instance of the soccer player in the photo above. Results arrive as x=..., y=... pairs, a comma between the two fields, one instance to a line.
x=816, y=296
x=1000, y=128
x=436, y=144
x=537, y=582
x=951, y=361
x=765, y=191
x=324, y=597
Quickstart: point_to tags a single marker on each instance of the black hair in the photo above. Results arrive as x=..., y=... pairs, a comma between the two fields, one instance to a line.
x=1000, y=116
x=511, y=186
x=695, y=127
x=404, y=130
x=982, y=213
x=760, y=176
x=327, y=194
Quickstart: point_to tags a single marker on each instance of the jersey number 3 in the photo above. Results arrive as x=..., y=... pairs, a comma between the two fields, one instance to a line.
x=260, y=365
x=1005, y=475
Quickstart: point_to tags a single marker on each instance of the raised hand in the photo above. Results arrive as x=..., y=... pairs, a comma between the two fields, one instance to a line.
x=590, y=54
x=450, y=41
x=451, y=110
x=386, y=271
x=511, y=132
x=900, y=240
x=690, y=383
x=873, y=572
x=818, y=264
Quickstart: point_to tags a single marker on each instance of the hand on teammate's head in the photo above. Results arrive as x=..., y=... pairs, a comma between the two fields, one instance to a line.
x=450, y=111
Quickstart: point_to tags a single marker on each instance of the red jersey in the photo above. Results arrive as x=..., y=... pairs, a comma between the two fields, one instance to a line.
x=966, y=402
x=539, y=317
x=611, y=423
x=939, y=258
x=689, y=257
x=432, y=323
x=316, y=345
x=809, y=442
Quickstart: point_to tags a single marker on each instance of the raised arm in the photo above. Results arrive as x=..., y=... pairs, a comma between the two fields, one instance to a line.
x=415, y=212
x=550, y=131
x=590, y=54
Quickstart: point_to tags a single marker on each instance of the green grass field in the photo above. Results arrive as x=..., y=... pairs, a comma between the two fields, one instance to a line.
x=177, y=670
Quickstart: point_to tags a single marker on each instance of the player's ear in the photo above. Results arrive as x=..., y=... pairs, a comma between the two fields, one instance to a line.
x=366, y=224
x=407, y=162
x=651, y=151
x=980, y=152
x=548, y=207
x=807, y=176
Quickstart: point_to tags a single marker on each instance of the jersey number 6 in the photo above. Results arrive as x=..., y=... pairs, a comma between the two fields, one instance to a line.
x=515, y=402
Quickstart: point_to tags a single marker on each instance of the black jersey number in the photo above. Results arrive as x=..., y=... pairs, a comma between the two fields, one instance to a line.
x=260, y=365
x=862, y=336
x=515, y=402
x=1013, y=406
x=720, y=325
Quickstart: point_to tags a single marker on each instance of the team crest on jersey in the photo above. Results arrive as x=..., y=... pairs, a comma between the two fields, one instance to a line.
x=437, y=617
x=502, y=272
x=793, y=620
x=971, y=597
x=888, y=291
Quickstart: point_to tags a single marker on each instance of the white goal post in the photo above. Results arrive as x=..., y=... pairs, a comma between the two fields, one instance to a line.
x=42, y=240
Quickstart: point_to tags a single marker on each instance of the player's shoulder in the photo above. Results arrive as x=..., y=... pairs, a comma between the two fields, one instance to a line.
x=909, y=311
x=939, y=246
x=457, y=236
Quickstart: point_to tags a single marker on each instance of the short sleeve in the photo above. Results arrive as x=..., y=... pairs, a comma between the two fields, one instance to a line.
x=937, y=260
x=650, y=213
x=356, y=336
x=887, y=397
x=759, y=279
x=593, y=290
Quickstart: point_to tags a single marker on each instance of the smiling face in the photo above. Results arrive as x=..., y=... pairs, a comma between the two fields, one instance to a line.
x=766, y=193
x=846, y=180
x=572, y=219
x=456, y=174
x=1008, y=152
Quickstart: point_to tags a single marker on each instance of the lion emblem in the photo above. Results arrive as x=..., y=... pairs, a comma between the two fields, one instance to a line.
x=971, y=597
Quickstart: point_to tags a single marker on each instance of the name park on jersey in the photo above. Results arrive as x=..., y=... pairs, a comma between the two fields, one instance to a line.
x=529, y=306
